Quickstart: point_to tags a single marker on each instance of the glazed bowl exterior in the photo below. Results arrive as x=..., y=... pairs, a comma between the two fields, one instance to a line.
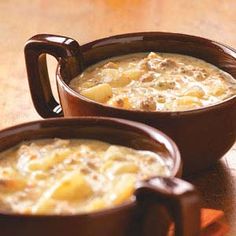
x=203, y=135
x=155, y=199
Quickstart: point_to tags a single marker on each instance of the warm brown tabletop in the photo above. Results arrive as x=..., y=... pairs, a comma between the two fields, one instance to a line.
x=86, y=20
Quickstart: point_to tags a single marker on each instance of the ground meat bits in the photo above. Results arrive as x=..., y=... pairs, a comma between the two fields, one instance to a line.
x=148, y=104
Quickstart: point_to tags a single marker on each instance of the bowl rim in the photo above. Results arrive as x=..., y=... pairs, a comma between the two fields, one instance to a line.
x=146, y=130
x=182, y=37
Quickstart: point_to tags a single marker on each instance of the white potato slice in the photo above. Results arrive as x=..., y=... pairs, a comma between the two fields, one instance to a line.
x=119, y=153
x=96, y=204
x=107, y=165
x=73, y=187
x=187, y=102
x=132, y=74
x=115, y=153
x=218, y=89
x=114, y=78
x=45, y=205
x=123, y=188
x=98, y=93
x=120, y=82
x=49, y=161
x=195, y=91
x=124, y=167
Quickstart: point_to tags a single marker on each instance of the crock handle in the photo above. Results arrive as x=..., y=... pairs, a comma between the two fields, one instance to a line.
x=180, y=198
x=36, y=48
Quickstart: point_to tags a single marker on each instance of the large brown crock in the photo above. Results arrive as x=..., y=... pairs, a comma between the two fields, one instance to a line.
x=202, y=135
x=145, y=215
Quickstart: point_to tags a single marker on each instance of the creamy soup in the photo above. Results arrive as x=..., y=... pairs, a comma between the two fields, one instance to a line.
x=56, y=176
x=155, y=82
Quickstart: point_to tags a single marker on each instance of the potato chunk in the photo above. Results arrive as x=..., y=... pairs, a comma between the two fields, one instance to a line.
x=117, y=153
x=187, y=102
x=114, y=78
x=132, y=74
x=120, y=81
x=123, y=189
x=127, y=167
x=98, y=93
x=218, y=89
x=44, y=205
x=113, y=153
x=47, y=162
x=96, y=205
x=195, y=91
x=72, y=187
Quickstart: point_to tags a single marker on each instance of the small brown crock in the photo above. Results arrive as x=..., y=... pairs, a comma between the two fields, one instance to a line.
x=145, y=215
x=202, y=135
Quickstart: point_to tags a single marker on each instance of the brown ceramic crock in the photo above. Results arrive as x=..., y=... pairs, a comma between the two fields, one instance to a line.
x=202, y=135
x=145, y=215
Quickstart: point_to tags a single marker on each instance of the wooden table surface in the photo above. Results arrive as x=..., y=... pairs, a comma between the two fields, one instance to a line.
x=86, y=20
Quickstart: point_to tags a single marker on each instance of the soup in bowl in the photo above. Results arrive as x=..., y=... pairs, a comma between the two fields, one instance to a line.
x=155, y=82
x=71, y=176
x=181, y=84
x=92, y=176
